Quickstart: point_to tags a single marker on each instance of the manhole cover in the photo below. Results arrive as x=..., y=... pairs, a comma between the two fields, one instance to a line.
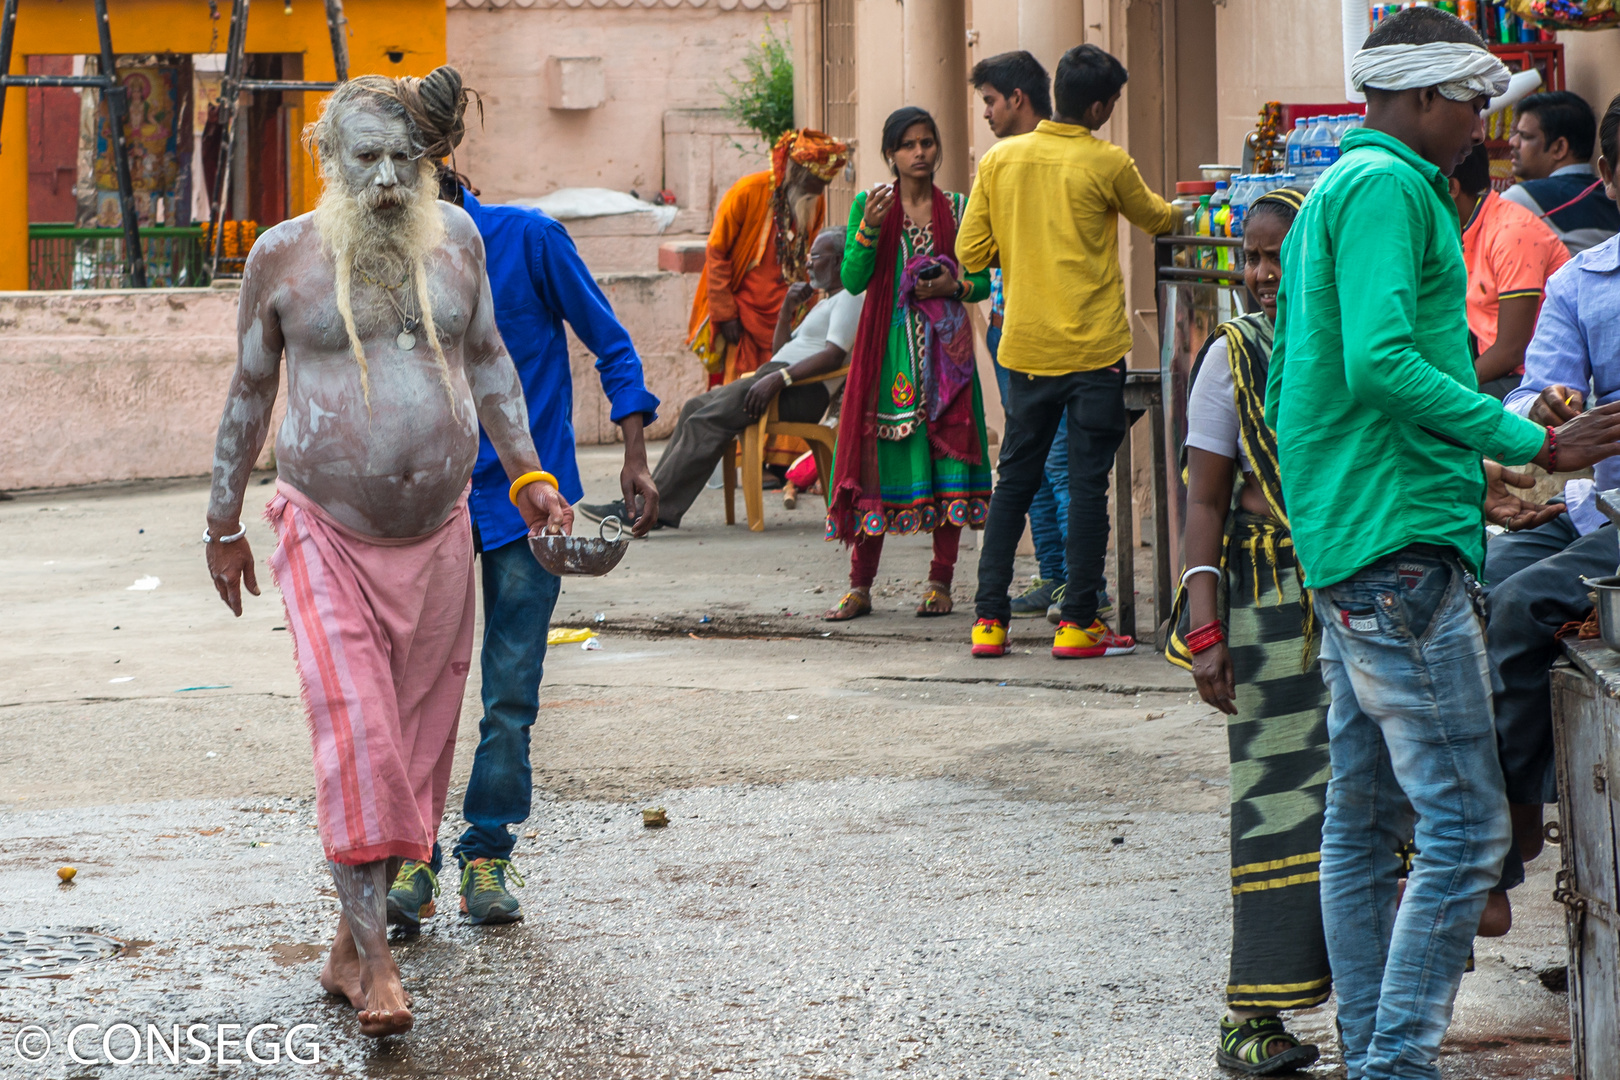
x=51, y=952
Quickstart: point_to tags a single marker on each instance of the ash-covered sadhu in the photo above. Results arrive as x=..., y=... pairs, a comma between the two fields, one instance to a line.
x=380, y=303
x=758, y=247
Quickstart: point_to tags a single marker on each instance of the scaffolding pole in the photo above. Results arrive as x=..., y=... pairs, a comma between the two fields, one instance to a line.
x=114, y=96
x=235, y=84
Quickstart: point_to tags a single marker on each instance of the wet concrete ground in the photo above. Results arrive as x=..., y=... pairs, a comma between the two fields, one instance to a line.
x=880, y=860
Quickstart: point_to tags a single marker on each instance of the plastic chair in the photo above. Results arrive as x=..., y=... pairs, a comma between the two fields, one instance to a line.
x=820, y=437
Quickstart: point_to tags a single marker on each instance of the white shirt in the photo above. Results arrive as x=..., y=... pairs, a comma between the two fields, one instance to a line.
x=831, y=322
x=1212, y=417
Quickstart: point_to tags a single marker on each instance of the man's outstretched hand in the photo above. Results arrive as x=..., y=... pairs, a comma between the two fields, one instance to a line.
x=1584, y=439
x=231, y=567
x=1504, y=508
x=542, y=505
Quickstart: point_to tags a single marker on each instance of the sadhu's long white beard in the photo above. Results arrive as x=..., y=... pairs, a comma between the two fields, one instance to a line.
x=388, y=246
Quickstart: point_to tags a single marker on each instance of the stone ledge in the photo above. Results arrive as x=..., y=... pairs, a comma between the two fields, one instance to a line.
x=682, y=256
x=127, y=384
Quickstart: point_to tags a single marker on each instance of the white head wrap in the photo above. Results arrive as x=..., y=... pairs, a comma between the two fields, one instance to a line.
x=1459, y=71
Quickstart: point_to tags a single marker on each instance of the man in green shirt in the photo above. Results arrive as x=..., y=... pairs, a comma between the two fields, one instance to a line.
x=1381, y=429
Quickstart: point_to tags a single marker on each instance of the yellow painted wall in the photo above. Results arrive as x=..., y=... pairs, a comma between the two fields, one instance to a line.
x=14, y=185
x=413, y=28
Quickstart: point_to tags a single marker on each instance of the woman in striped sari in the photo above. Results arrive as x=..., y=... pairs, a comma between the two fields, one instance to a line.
x=1244, y=630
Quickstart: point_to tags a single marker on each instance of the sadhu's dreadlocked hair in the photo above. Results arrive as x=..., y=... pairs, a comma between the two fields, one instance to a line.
x=432, y=108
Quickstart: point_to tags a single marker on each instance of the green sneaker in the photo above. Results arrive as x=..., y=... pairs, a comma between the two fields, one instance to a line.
x=1034, y=600
x=410, y=898
x=1105, y=606
x=1054, y=611
x=484, y=898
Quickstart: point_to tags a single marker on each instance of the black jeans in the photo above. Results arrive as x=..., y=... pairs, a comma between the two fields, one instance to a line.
x=1533, y=581
x=1094, y=402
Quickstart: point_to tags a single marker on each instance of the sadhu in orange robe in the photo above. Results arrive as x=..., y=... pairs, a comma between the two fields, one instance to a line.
x=743, y=277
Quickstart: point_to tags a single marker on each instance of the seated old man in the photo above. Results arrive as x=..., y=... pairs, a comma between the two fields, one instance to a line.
x=709, y=422
x=1535, y=577
x=381, y=304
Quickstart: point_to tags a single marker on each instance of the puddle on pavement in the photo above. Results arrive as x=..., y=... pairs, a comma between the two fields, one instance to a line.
x=34, y=953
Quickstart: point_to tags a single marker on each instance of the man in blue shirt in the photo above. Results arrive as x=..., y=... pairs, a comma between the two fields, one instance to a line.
x=1536, y=579
x=537, y=280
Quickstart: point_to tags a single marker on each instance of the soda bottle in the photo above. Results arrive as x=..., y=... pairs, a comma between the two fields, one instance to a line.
x=1220, y=217
x=1201, y=227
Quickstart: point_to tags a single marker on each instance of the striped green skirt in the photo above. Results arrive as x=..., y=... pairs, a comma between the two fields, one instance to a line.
x=1278, y=744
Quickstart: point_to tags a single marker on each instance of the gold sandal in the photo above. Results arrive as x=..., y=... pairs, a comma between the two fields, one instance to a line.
x=933, y=597
x=852, y=606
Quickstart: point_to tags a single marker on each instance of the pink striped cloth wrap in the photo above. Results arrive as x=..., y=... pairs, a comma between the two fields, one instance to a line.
x=382, y=634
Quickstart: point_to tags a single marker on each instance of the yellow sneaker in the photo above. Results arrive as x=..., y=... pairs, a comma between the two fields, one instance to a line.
x=1073, y=643
x=989, y=638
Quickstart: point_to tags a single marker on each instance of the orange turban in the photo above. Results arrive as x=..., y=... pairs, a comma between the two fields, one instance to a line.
x=817, y=151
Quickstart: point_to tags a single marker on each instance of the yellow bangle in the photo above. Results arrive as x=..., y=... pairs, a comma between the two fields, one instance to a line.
x=528, y=478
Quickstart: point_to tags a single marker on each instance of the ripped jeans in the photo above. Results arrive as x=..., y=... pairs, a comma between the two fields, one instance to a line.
x=1410, y=736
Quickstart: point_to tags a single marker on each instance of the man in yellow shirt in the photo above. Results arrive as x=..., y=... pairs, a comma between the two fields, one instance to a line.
x=1048, y=204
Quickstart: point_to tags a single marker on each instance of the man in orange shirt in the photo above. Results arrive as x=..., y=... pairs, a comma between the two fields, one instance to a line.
x=758, y=246
x=1510, y=254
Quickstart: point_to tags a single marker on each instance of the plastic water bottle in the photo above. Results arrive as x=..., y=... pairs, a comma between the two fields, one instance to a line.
x=1238, y=205
x=1294, y=148
x=1265, y=185
x=1334, y=127
x=1342, y=128
x=1313, y=151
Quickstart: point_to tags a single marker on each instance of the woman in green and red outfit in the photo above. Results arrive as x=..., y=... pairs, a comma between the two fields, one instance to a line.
x=911, y=440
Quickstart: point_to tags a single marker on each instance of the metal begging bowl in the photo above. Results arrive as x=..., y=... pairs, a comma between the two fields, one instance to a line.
x=581, y=556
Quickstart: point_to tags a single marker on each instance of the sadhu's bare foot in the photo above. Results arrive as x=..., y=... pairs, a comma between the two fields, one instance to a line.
x=341, y=975
x=387, y=1010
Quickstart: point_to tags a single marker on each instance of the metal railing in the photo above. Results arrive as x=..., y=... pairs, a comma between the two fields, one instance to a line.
x=68, y=257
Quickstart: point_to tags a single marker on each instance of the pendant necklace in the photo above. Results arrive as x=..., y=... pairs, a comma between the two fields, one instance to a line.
x=408, y=321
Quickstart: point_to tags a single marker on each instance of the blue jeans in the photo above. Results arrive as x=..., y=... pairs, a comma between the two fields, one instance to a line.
x=519, y=595
x=1410, y=733
x=1049, y=513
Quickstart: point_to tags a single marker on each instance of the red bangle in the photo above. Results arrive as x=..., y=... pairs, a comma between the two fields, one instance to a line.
x=1205, y=637
x=1552, y=449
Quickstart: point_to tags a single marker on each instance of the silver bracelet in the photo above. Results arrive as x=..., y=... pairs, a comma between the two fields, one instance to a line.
x=787, y=378
x=233, y=538
x=1199, y=570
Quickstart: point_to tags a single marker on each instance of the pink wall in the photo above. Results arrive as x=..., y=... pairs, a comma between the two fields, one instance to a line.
x=125, y=385
x=656, y=58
